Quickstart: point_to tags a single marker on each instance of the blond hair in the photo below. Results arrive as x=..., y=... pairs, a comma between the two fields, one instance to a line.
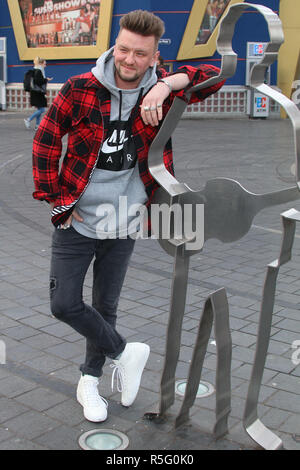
x=143, y=22
x=39, y=61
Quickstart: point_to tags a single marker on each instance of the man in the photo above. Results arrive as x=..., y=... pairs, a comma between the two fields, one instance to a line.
x=111, y=116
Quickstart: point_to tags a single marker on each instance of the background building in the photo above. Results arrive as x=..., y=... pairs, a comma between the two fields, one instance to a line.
x=51, y=26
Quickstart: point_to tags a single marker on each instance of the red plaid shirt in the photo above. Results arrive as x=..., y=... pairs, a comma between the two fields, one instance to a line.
x=82, y=110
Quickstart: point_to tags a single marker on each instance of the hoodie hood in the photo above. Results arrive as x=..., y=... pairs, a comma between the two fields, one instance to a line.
x=104, y=71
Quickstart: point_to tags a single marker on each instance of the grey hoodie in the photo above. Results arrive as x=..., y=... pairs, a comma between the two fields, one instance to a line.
x=110, y=194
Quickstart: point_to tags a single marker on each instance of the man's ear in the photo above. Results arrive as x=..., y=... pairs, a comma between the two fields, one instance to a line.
x=155, y=57
x=115, y=44
x=114, y=49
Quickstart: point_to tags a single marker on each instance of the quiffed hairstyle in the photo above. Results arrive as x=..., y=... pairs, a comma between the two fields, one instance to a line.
x=143, y=22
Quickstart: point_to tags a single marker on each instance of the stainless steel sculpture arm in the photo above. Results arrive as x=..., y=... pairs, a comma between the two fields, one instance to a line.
x=155, y=155
x=222, y=197
x=228, y=67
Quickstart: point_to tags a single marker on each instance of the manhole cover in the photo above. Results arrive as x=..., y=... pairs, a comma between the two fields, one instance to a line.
x=205, y=389
x=103, y=439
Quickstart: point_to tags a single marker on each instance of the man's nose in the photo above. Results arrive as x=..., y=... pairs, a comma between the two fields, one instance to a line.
x=129, y=58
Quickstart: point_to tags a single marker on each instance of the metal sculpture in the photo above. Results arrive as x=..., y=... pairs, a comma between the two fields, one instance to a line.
x=229, y=211
x=253, y=426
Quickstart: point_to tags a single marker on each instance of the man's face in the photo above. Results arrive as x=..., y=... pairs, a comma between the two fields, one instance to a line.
x=133, y=54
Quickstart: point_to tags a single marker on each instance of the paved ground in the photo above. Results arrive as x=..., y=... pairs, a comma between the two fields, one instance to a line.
x=37, y=384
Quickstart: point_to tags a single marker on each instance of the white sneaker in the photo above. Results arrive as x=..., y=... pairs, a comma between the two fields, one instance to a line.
x=94, y=406
x=129, y=369
x=27, y=123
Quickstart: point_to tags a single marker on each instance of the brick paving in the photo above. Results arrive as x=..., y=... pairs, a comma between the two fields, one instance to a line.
x=38, y=409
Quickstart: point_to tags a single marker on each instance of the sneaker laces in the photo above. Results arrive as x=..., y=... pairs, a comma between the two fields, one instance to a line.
x=92, y=395
x=117, y=368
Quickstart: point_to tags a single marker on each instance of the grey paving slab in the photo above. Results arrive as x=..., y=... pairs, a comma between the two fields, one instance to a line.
x=286, y=382
x=61, y=438
x=13, y=386
x=4, y=434
x=70, y=373
x=40, y=399
x=37, y=321
x=20, y=332
x=17, y=313
x=10, y=408
x=19, y=443
x=132, y=321
x=46, y=363
x=6, y=322
x=285, y=401
x=68, y=413
x=42, y=340
x=280, y=364
x=275, y=347
x=64, y=351
x=31, y=424
x=292, y=424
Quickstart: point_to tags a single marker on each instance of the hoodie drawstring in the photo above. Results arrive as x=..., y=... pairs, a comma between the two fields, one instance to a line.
x=120, y=119
x=131, y=118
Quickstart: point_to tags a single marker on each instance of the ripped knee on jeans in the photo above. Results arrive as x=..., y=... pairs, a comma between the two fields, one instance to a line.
x=52, y=288
x=52, y=285
x=55, y=308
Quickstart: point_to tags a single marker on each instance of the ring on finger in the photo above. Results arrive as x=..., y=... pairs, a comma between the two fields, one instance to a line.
x=146, y=108
x=159, y=105
x=153, y=108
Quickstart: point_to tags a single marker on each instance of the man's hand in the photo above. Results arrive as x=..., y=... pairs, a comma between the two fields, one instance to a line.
x=151, y=107
x=69, y=220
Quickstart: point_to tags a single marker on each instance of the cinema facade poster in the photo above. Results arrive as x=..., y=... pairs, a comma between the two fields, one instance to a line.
x=200, y=36
x=61, y=29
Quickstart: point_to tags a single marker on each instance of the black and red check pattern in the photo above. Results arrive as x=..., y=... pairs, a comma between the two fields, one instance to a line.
x=82, y=110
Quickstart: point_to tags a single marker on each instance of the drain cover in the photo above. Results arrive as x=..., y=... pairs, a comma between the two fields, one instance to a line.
x=103, y=439
x=205, y=389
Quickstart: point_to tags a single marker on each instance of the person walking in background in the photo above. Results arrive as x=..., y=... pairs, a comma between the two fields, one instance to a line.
x=38, y=92
x=160, y=65
x=212, y=12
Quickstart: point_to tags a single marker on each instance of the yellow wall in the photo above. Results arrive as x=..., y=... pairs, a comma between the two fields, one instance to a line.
x=289, y=58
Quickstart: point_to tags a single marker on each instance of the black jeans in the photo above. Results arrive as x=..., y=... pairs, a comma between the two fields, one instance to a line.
x=72, y=254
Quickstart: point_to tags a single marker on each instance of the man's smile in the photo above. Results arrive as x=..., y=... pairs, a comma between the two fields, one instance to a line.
x=127, y=67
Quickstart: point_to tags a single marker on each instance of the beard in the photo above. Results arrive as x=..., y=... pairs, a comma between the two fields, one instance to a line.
x=125, y=77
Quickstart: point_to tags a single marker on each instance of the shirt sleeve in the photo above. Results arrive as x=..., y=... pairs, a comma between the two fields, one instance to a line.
x=47, y=145
x=198, y=75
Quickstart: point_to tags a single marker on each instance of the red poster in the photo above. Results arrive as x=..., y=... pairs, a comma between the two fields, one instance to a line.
x=55, y=23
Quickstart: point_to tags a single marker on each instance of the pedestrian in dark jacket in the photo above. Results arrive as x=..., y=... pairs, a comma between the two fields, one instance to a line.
x=38, y=97
x=111, y=116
